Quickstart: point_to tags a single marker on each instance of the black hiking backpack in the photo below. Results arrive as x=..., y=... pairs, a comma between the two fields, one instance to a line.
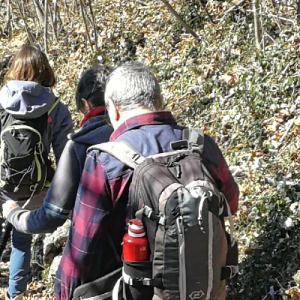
x=183, y=212
x=24, y=149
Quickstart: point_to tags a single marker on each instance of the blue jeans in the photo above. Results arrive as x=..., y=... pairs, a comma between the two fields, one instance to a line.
x=21, y=250
x=19, y=263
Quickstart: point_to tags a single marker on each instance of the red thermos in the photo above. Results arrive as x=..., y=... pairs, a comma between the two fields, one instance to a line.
x=135, y=244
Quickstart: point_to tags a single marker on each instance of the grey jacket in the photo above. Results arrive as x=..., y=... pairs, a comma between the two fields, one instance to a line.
x=29, y=100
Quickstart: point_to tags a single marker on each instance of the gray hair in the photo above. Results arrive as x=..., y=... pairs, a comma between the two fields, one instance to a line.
x=133, y=85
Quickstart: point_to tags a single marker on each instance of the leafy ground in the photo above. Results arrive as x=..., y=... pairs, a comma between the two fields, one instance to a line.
x=248, y=100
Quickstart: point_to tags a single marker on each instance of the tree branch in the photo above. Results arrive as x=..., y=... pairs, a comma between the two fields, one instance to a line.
x=233, y=7
x=25, y=24
x=257, y=27
x=187, y=28
x=84, y=21
x=298, y=12
x=52, y=24
x=94, y=25
x=45, y=26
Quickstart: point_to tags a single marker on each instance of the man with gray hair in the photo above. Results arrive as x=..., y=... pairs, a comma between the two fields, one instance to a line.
x=102, y=209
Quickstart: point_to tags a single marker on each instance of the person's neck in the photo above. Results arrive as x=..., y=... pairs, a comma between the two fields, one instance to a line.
x=125, y=115
x=92, y=113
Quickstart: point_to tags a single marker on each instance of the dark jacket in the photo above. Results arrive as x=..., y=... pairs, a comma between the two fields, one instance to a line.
x=61, y=196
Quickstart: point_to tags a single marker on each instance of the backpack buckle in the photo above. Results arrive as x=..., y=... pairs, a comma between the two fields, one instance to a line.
x=147, y=281
x=194, y=147
x=136, y=157
x=136, y=281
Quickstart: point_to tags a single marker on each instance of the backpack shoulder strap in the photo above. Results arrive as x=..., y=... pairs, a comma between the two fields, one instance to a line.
x=53, y=106
x=194, y=136
x=121, y=151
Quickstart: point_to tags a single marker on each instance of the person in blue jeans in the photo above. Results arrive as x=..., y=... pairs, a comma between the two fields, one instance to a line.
x=60, y=199
x=27, y=94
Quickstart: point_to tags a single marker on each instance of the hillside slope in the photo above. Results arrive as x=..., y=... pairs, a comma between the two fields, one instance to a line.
x=248, y=100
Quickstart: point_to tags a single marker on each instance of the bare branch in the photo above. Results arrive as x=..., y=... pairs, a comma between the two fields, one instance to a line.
x=45, y=27
x=30, y=38
x=38, y=11
x=94, y=24
x=84, y=21
x=257, y=27
x=52, y=24
x=187, y=28
x=298, y=12
x=8, y=23
x=283, y=19
x=233, y=7
x=66, y=10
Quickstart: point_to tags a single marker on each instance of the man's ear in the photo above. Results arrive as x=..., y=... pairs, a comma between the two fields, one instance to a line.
x=161, y=103
x=112, y=110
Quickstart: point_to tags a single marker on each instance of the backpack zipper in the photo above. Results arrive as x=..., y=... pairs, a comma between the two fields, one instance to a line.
x=9, y=128
x=182, y=270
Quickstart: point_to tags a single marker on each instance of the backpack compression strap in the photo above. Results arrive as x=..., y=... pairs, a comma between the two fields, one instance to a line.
x=121, y=151
x=195, y=138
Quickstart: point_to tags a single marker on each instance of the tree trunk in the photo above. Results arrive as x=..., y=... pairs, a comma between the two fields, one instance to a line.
x=8, y=23
x=85, y=24
x=257, y=27
x=298, y=12
x=39, y=12
x=52, y=23
x=29, y=36
x=94, y=24
x=45, y=26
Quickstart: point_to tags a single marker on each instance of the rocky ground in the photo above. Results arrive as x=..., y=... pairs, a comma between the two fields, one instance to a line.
x=46, y=255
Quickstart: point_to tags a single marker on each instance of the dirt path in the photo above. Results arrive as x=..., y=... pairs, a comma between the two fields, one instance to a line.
x=36, y=290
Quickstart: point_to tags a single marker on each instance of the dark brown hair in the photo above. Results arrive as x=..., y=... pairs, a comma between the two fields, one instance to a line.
x=31, y=64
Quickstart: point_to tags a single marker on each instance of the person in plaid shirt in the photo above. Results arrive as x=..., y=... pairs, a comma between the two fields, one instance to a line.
x=134, y=104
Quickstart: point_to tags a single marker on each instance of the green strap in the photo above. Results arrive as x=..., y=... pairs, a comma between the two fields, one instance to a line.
x=53, y=106
x=47, y=184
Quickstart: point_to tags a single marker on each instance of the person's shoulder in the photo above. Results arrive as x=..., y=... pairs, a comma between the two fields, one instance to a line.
x=59, y=109
x=211, y=148
x=59, y=115
x=70, y=145
x=112, y=166
x=209, y=139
